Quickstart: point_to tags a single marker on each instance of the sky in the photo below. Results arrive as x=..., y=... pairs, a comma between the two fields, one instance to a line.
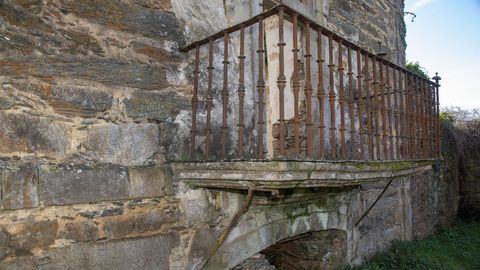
x=445, y=38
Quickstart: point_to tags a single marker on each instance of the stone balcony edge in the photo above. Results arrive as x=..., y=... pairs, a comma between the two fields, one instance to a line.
x=274, y=175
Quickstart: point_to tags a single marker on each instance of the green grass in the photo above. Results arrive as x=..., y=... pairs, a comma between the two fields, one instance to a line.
x=454, y=248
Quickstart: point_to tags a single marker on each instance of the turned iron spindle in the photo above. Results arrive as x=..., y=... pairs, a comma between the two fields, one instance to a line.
x=396, y=113
x=361, y=130
x=389, y=111
x=376, y=109
x=321, y=93
x=351, y=102
x=331, y=96
x=368, y=105
x=308, y=91
x=241, y=91
x=402, y=91
x=193, y=131
x=224, y=97
x=208, y=126
x=437, y=116
x=383, y=111
x=260, y=88
x=341, y=100
x=281, y=82
x=296, y=85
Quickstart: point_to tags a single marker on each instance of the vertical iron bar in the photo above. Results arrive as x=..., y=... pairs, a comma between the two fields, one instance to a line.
x=368, y=80
x=208, y=127
x=321, y=93
x=389, y=112
x=296, y=86
x=409, y=114
x=260, y=88
x=341, y=100
x=427, y=119
x=413, y=124
x=308, y=91
x=281, y=82
x=403, y=114
x=415, y=118
x=437, y=117
x=361, y=130
x=396, y=113
x=241, y=91
x=331, y=96
x=376, y=109
x=383, y=112
x=193, y=131
x=224, y=96
x=421, y=102
x=351, y=102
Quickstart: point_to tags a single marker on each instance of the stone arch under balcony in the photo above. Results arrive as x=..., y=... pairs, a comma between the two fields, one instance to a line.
x=296, y=198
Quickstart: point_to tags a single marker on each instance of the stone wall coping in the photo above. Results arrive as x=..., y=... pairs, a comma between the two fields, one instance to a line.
x=276, y=175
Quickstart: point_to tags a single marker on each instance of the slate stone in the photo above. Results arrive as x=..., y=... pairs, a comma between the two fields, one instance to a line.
x=70, y=100
x=127, y=144
x=73, y=184
x=139, y=253
x=156, y=105
x=106, y=71
x=153, y=23
x=139, y=223
x=5, y=103
x=19, y=187
x=4, y=239
x=32, y=134
x=35, y=234
x=111, y=212
x=84, y=231
x=149, y=182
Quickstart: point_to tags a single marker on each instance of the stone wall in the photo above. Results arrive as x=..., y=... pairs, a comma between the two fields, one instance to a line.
x=95, y=103
x=470, y=188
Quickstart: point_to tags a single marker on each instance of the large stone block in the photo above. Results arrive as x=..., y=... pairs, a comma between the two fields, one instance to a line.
x=32, y=134
x=106, y=71
x=24, y=238
x=70, y=100
x=137, y=253
x=73, y=184
x=19, y=187
x=150, y=181
x=155, y=105
x=130, y=17
x=127, y=144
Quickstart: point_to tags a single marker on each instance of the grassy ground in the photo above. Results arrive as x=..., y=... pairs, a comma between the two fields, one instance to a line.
x=455, y=248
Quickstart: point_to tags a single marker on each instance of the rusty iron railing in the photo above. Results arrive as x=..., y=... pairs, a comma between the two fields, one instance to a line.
x=393, y=114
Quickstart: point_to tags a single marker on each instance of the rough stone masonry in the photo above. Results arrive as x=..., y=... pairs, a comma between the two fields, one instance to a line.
x=95, y=110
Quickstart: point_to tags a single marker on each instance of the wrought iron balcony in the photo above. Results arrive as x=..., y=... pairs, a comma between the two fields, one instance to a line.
x=302, y=92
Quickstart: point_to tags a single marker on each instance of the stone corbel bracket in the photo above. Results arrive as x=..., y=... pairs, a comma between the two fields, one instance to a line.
x=277, y=175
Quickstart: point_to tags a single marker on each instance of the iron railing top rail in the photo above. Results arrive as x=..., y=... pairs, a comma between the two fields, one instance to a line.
x=301, y=18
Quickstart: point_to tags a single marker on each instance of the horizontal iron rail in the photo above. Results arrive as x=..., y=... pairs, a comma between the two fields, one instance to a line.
x=301, y=18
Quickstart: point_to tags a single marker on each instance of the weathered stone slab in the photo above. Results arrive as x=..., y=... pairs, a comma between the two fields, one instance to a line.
x=73, y=184
x=107, y=71
x=31, y=134
x=138, y=253
x=155, y=105
x=126, y=144
x=19, y=187
x=70, y=100
x=150, y=181
x=35, y=234
x=154, y=23
x=5, y=103
x=287, y=175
